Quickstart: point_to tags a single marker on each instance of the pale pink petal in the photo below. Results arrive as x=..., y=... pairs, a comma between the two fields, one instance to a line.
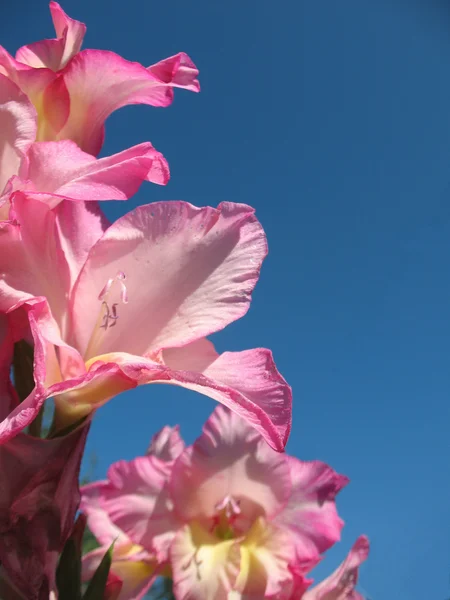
x=340, y=585
x=230, y=460
x=70, y=30
x=31, y=262
x=265, y=556
x=167, y=444
x=311, y=515
x=299, y=584
x=203, y=567
x=80, y=225
x=98, y=82
x=99, y=520
x=42, y=54
x=132, y=571
x=136, y=500
x=60, y=170
x=192, y=269
x=32, y=82
x=18, y=128
x=54, y=54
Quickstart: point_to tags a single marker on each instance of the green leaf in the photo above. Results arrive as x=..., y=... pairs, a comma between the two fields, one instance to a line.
x=97, y=585
x=68, y=573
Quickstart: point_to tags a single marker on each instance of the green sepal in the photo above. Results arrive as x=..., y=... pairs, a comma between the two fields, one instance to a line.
x=68, y=573
x=96, y=588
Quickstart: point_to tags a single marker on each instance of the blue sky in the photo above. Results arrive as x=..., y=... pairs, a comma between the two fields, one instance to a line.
x=333, y=120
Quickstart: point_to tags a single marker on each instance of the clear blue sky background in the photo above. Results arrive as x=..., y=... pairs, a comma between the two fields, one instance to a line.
x=333, y=120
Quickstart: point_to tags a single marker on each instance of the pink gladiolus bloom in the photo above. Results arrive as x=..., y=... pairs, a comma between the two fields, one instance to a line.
x=74, y=91
x=231, y=517
x=54, y=171
x=38, y=504
x=108, y=310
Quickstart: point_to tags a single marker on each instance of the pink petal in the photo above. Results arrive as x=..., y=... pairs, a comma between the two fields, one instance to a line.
x=340, y=584
x=70, y=30
x=99, y=82
x=136, y=501
x=32, y=82
x=167, y=444
x=80, y=225
x=230, y=460
x=31, y=262
x=256, y=392
x=60, y=170
x=42, y=54
x=265, y=555
x=203, y=567
x=99, y=520
x=192, y=269
x=310, y=515
x=54, y=54
x=17, y=126
x=33, y=321
x=246, y=382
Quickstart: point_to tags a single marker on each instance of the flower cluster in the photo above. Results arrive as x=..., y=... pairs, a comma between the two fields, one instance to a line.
x=226, y=518
x=89, y=309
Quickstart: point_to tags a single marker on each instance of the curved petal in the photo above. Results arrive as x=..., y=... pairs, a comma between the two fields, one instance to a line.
x=80, y=225
x=265, y=556
x=31, y=262
x=311, y=515
x=167, y=444
x=70, y=30
x=203, y=566
x=60, y=170
x=99, y=82
x=54, y=54
x=18, y=123
x=137, y=501
x=340, y=585
x=247, y=382
x=256, y=392
x=230, y=460
x=31, y=81
x=33, y=321
x=99, y=521
x=188, y=272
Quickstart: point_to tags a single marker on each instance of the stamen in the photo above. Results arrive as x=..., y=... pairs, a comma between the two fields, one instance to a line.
x=197, y=563
x=230, y=505
x=120, y=278
x=108, y=314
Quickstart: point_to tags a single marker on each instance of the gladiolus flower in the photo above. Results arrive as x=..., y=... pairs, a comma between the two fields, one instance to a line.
x=54, y=171
x=231, y=517
x=74, y=91
x=111, y=310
